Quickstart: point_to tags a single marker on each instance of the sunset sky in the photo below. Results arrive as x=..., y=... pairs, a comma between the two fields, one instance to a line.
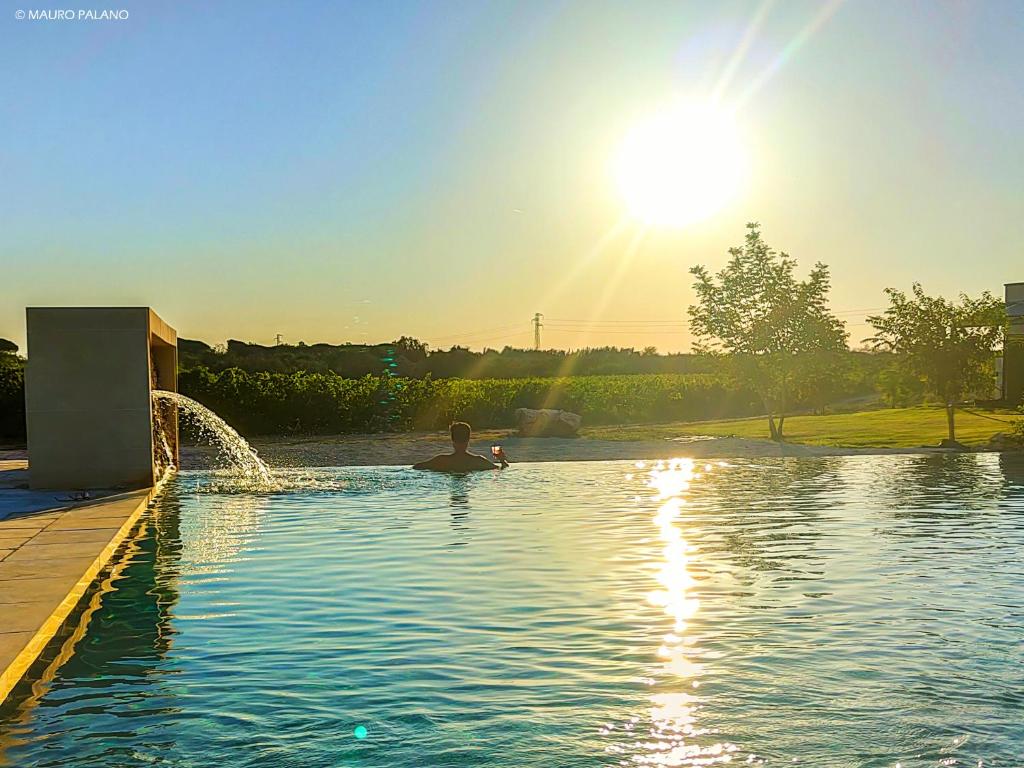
x=360, y=171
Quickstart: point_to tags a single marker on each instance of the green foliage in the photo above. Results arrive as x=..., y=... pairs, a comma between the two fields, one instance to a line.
x=949, y=344
x=777, y=331
x=820, y=378
x=1017, y=431
x=6, y=345
x=326, y=403
x=900, y=386
x=12, y=400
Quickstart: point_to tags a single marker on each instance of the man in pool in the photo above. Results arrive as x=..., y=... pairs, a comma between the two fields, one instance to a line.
x=460, y=459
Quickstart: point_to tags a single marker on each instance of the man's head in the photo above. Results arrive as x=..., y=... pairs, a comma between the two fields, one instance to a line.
x=460, y=432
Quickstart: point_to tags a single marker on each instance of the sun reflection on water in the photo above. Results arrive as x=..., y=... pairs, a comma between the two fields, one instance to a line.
x=676, y=738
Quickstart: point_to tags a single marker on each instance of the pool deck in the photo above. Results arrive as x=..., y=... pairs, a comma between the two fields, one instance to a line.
x=51, y=550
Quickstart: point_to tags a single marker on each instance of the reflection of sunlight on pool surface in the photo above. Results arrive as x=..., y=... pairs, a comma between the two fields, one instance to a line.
x=213, y=539
x=674, y=732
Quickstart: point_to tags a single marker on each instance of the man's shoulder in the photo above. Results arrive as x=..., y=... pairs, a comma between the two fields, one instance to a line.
x=456, y=463
x=441, y=461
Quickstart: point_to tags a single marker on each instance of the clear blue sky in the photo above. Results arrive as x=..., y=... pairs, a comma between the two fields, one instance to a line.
x=357, y=171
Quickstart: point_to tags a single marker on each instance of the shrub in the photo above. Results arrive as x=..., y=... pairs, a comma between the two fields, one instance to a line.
x=12, y=402
x=325, y=403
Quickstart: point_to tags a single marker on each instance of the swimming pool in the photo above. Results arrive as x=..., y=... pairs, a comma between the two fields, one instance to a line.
x=836, y=611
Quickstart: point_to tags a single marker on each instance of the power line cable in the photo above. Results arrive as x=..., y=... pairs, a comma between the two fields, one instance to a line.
x=595, y=331
x=614, y=322
x=638, y=329
x=488, y=339
x=479, y=332
x=618, y=327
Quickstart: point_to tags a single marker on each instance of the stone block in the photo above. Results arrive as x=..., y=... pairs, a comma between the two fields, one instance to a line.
x=87, y=393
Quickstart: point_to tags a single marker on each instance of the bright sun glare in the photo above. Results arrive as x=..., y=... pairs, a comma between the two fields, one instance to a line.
x=680, y=166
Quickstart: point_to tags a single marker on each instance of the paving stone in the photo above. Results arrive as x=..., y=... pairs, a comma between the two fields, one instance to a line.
x=71, y=536
x=20, y=526
x=26, y=616
x=32, y=567
x=32, y=518
x=70, y=523
x=31, y=590
x=9, y=540
x=44, y=553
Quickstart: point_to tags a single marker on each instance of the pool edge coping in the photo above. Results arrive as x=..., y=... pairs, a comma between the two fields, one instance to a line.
x=19, y=667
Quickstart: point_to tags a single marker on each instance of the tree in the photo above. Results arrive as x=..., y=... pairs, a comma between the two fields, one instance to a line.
x=411, y=348
x=899, y=385
x=9, y=356
x=949, y=344
x=768, y=322
x=822, y=378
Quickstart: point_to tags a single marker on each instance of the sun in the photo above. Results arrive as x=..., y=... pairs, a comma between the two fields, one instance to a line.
x=681, y=165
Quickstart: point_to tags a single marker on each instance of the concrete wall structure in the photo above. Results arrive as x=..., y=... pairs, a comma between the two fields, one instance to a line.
x=87, y=394
x=1013, y=348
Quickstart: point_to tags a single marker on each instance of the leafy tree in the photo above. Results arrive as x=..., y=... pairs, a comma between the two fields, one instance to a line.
x=9, y=357
x=12, y=402
x=949, y=344
x=768, y=322
x=899, y=385
x=1017, y=432
x=822, y=378
x=411, y=348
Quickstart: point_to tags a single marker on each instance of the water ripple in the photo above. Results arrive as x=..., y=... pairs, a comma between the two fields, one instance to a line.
x=836, y=611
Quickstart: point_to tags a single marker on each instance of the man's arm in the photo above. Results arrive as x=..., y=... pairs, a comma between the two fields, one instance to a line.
x=488, y=464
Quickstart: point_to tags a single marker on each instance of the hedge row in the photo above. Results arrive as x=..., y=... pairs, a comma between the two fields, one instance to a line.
x=325, y=403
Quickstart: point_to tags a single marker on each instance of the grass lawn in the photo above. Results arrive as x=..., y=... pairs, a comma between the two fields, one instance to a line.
x=887, y=428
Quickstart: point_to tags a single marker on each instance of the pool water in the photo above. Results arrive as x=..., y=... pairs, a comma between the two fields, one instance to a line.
x=857, y=611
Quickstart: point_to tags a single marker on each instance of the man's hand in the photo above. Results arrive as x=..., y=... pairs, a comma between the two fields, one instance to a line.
x=501, y=457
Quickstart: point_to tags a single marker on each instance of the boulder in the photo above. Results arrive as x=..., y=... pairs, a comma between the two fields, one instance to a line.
x=1004, y=441
x=547, y=422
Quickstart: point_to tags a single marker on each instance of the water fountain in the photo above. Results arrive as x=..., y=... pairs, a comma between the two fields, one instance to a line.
x=240, y=455
x=102, y=404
